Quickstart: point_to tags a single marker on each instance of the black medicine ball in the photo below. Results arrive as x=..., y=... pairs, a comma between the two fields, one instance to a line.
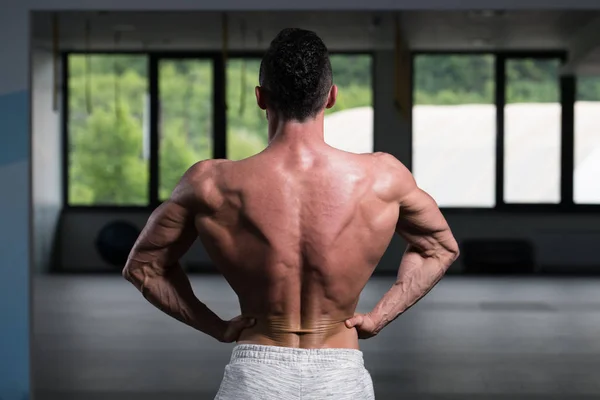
x=115, y=241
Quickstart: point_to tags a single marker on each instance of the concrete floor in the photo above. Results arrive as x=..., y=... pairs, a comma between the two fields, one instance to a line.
x=471, y=338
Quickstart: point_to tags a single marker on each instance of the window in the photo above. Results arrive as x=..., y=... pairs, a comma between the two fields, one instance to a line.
x=107, y=130
x=454, y=129
x=532, y=131
x=185, y=118
x=348, y=125
x=246, y=122
x=586, y=188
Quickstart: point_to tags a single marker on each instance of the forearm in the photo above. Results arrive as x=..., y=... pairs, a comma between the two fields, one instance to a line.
x=171, y=292
x=417, y=275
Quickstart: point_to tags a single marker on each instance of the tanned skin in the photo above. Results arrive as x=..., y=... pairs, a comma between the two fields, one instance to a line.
x=297, y=231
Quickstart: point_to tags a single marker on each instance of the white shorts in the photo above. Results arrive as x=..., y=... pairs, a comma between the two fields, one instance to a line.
x=281, y=373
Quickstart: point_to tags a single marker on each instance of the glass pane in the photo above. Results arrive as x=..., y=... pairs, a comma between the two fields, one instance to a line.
x=246, y=122
x=454, y=129
x=108, y=130
x=185, y=120
x=587, y=142
x=349, y=124
x=532, y=131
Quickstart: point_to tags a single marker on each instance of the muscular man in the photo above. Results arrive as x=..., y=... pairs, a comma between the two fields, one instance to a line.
x=297, y=231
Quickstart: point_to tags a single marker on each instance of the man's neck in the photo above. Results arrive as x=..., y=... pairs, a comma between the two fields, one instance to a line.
x=308, y=132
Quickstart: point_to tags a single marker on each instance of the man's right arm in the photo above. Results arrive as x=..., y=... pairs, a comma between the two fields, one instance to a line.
x=430, y=252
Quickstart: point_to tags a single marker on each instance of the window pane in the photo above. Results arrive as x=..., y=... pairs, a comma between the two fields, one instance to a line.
x=587, y=141
x=454, y=129
x=108, y=131
x=349, y=124
x=246, y=123
x=186, y=118
x=532, y=132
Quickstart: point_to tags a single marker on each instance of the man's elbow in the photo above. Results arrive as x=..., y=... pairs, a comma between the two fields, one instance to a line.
x=452, y=252
x=447, y=252
x=126, y=273
x=133, y=272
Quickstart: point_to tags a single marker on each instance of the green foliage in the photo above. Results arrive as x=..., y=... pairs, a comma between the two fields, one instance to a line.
x=108, y=151
x=106, y=157
x=246, y=123
x=532, y=81
x=454, y=80
x=186, y=119
x=469, y=79
x=588, y=88
x=350, y=70
x=106, y=141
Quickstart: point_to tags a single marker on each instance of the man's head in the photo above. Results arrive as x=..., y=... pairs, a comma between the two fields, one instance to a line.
x=295, y=76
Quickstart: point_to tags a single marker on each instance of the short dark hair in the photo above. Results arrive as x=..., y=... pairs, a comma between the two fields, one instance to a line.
x=296, y=74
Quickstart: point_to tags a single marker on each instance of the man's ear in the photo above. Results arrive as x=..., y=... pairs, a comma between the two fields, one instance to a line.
x=260, y=98
x=332, y=97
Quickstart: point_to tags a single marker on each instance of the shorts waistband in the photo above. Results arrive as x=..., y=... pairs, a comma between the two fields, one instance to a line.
x=289, y=355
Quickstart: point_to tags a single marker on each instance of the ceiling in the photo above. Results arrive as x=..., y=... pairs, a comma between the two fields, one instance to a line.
x=359, y=31
x=510, y=30
x=203, y=30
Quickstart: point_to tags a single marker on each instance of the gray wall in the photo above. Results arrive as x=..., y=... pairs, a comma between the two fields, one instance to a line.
x=46, y=158
x=561, y=241
x=78, y=232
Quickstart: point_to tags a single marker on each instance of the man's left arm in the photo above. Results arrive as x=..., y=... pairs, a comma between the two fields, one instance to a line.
x=153, y=265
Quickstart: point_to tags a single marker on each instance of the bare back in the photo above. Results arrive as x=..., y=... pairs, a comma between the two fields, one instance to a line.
x=297, y=234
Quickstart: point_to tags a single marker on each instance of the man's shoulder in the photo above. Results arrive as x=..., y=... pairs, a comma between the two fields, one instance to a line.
x=199, y=183
x=385, y=162
x=392, y=178
x=204, y=167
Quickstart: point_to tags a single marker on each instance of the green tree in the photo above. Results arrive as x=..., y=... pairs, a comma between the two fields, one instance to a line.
x=107, y=161
x=108, y=167
x=186, y=123
x=532, y=81
x=470, y=79
x=588, y=88
x=454, y=79
x=246, y=122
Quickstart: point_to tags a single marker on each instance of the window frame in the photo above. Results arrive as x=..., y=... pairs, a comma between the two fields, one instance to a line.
x=567, y=88
x=219, y=112
x=65, y=113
